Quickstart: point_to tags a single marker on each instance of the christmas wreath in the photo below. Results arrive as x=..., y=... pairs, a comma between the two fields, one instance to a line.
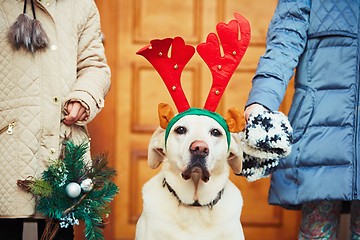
x=71, y=190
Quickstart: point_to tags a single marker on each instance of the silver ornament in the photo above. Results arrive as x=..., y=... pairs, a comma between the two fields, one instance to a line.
x=73, y=190
x=87, y=185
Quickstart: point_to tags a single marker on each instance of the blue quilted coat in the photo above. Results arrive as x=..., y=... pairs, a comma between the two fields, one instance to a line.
x=320, y=39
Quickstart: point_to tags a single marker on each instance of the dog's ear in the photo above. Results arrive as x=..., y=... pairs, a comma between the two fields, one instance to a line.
x=165, y=113
x=235, y=158
x=156, y=148
x=235, y=120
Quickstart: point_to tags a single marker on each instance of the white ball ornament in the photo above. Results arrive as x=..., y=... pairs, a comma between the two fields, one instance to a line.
x=87, y=185
x=73, y=190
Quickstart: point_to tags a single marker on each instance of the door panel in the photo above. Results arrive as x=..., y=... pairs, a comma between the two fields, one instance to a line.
x=131, y=107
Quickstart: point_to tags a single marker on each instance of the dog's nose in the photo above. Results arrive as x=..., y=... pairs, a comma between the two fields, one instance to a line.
x=199, y=148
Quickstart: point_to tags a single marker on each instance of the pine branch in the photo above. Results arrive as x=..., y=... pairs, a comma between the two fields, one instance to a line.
x=51, y=228
x=68, y=210
x=25, y=184
x=41, y=188
x=90, y=206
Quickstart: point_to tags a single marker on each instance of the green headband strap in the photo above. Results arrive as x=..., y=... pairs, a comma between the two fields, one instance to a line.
x=200, y=112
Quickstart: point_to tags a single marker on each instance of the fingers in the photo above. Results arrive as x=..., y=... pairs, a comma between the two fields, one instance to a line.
x=250, y=109
x=76, y=112
x=83, y=116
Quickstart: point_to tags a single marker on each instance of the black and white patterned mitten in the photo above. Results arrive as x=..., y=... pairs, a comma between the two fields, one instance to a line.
x=267, y=138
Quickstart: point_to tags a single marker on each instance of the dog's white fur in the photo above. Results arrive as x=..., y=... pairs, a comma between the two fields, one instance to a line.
x=163, y=217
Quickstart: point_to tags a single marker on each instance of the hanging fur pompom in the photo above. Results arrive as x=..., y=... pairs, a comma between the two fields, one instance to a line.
x=27, y=32
x=20, y=31
x=39, y=38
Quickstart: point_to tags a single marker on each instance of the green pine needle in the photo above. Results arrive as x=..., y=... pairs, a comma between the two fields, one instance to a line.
x=89, y=207
x=41, y=188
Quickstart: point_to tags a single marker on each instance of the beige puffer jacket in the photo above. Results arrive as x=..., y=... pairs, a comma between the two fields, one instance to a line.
x=35, y=87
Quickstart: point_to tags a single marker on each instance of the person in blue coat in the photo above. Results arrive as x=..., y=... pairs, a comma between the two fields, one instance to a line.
x=320, y=39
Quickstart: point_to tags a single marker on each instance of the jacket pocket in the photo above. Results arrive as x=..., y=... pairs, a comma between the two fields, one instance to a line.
x=331, y=38
x=332, y=33
x=8, y=129
x=301, y=112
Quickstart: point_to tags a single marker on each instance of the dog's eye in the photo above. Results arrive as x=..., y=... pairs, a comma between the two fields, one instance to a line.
x=215, y=132
x=180, y=130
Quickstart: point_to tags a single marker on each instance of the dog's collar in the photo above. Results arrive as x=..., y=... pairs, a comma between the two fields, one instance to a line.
x=196, y=203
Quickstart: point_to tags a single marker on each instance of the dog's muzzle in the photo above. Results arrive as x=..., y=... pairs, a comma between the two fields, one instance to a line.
x=197, y=168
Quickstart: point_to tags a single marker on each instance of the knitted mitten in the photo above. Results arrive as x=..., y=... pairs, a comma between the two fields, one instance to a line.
x=267, y=138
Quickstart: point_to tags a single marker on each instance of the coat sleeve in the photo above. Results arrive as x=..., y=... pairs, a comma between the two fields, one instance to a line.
x=286, y=40
x=93, y=73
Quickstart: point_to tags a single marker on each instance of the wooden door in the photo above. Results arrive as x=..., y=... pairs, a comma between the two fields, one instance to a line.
x=130, y=116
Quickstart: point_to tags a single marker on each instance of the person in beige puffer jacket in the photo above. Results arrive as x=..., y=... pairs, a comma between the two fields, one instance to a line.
x=50, y=88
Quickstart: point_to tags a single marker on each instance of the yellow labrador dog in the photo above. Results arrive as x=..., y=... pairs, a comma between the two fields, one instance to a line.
x=192, y=198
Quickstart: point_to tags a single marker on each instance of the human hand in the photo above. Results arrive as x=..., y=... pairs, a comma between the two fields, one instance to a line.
x=75, y=112
x=250, y=109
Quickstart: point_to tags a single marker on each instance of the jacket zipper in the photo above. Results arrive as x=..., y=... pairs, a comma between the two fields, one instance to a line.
x=356, y=149
x=356, y=123
x=8, y=129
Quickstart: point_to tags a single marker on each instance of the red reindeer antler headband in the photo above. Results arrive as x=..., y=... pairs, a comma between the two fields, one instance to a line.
x=170, y=68
x=221, y=66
